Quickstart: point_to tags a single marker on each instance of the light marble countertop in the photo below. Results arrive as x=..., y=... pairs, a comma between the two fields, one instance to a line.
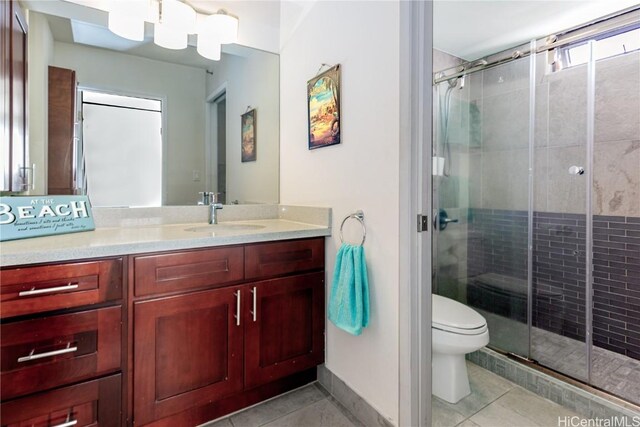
x=135, y=238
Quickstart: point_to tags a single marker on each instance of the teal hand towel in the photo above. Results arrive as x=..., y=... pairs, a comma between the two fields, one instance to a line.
x=349, y=300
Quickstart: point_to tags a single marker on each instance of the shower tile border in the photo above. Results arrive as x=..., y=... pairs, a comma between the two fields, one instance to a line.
x=565, y=394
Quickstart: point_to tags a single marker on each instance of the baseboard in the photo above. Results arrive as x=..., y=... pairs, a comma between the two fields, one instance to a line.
x=359, y=408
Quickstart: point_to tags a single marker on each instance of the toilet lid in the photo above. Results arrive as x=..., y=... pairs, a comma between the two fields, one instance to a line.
x=450, y=315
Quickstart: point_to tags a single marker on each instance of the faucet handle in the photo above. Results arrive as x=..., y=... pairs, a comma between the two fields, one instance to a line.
x=208, y=197
x=204, y=198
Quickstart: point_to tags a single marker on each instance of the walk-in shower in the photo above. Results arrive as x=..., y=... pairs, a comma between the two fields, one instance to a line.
x=537, y=169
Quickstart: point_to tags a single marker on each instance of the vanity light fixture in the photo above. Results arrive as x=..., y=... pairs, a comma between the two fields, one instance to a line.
x=126, y=18
x=214, y=31
x=173, y=21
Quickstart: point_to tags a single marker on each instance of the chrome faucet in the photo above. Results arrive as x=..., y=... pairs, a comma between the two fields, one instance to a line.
x=214, y=205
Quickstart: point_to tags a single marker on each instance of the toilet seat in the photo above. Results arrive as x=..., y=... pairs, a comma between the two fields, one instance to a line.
x=454, y=317
x=460, y=331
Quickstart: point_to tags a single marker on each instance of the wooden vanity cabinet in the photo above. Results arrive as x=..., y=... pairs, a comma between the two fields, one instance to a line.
x=61, y=350
x=191, y=336
x=204, y=353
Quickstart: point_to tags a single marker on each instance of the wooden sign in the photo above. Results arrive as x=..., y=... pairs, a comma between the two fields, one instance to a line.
x=34, y=216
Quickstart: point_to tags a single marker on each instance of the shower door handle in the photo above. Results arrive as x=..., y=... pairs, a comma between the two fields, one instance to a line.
x=576, y=170
x=444, y=220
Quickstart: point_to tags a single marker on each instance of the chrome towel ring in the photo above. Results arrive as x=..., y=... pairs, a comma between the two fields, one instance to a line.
x=359, y=215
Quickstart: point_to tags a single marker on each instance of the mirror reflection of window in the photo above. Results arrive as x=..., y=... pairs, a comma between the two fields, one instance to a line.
x=122, y=144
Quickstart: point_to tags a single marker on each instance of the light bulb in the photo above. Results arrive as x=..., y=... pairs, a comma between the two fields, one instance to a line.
x=126, y=18
x=209, y=46
x=224, y=26
x=169, y=38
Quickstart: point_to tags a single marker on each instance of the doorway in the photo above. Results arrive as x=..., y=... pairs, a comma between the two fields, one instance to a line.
x=217, y=144
x=122, y=145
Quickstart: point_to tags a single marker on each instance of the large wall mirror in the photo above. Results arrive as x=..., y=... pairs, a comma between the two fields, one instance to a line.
x=151, y=126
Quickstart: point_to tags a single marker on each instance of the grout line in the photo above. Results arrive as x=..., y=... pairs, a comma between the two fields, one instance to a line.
x=291, y=412
x=492, y=401
x=345, y=411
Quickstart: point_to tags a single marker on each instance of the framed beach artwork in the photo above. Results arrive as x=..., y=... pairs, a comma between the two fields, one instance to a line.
x=323, y=99
x=248, y=132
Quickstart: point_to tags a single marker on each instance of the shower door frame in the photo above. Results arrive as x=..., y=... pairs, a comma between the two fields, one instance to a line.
x=588, y=176
x=416, y=65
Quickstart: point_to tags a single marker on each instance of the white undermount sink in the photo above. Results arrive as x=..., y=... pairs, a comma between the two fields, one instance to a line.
x=212, y=228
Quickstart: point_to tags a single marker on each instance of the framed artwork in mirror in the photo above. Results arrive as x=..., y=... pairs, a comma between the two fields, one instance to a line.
x=248, y=132
x=323, y=100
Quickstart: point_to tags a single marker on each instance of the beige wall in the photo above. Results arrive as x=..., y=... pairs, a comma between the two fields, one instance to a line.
x=40, y=55
x=360, y=173
x=251, y=80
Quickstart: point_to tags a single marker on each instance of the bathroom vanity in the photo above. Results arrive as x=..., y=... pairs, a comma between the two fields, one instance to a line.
x=165, y=337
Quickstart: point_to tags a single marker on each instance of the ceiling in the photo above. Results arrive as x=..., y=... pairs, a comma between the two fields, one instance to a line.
x=471, y=29
x=85, y=22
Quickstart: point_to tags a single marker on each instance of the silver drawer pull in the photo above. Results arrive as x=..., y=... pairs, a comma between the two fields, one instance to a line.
x=67, y=424
x=32, y=356
x=237, y=315
x=254, y=312
x=35, y=291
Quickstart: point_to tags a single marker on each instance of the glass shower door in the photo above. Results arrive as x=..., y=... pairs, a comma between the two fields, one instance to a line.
x=480, y=185
x=615, y=356
x=561, y=304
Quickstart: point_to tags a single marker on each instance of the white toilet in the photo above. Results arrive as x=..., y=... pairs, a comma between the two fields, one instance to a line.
x=456, y=330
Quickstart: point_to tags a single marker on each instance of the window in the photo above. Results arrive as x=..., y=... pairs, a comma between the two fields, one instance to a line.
x=611, y=45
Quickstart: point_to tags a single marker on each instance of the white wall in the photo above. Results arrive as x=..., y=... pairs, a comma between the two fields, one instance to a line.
x=183, y=89
x=360, y=173
x=249, y=81
x=40, y=55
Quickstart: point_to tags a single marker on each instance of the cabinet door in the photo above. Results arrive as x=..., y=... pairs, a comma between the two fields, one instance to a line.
x=187, y=352
x=284, y=327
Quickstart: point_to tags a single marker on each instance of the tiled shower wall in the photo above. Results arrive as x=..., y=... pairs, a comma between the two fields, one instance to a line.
x=497, y=268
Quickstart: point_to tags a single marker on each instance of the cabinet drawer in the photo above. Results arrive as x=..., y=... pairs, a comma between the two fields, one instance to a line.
x=92, y=403
x=37, y=289
x=156, y=274
x=278, y=258
x=52, y=351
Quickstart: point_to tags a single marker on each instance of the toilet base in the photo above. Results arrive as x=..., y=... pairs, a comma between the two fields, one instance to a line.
x=449, y=377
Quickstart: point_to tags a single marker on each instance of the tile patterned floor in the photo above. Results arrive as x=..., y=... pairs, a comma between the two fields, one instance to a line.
x=309, y=406
x=613, y=372
x=496, y=402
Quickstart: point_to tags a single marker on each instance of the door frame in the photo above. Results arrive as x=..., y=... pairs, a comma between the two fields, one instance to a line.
x=416, y=97
x=211, y=127
x=164, y=120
